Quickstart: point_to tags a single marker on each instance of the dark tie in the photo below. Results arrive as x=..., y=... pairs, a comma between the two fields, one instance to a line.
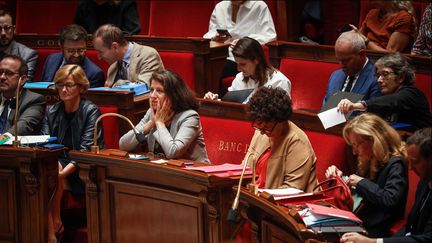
x=350, y=83
x=2, y=54
x=121, y=70
x=3, y=116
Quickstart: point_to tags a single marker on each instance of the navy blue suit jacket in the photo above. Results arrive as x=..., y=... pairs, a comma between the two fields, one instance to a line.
x=366, y=83
x=94, y=74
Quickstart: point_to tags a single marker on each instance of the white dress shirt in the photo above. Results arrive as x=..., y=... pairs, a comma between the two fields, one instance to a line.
x=253, y=20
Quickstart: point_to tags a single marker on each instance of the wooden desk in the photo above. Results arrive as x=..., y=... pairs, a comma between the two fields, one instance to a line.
x=209, y=56
x=272, y=223
x=27, y=177
x=138, y=201
x=306, y=120
x=133, y=107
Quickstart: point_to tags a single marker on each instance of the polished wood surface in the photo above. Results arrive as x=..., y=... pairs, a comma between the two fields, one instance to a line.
x=306, y=120
x=325, y=53
x=272, y=223
x=27, y=178
x=139, y=201
x=209, y=56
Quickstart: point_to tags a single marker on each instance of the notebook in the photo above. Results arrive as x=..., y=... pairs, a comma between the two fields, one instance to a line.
x=239, y=96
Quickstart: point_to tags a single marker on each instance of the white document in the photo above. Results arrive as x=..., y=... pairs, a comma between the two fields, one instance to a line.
x=159, y=161
x=282, y=191
x=332, y=117
x=33, y=139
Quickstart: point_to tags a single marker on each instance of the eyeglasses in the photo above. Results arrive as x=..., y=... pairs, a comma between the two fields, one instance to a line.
x=6, y=28
x=264, y=130
x=60, y=86
x=8, y=73
x=384, y=74
x=75, y=50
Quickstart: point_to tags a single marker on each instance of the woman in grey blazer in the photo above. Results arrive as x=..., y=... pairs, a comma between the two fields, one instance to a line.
x=172, y=125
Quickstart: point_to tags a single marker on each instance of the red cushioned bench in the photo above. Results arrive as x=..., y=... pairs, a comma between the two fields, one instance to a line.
x=308, y=81
x=183, y=64
x=226, y=140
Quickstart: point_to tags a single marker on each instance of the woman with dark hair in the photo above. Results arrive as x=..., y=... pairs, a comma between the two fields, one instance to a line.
x=281, y=151
x=382, y=175
x=255, y=70
x=401, y=101
x=72, y=121
x=172, y=125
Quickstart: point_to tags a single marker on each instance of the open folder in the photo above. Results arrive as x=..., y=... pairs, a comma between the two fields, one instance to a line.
x=317, y=215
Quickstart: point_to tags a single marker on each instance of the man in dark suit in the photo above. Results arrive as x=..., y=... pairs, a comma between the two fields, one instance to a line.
x=73, y=44
x=357, y=73
x=13, y=74
x=9, y=46
x=419, y=223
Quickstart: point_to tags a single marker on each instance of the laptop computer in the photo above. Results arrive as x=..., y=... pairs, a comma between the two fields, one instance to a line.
x=237, y=95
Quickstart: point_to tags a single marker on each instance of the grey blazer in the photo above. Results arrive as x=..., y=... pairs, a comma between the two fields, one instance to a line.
x=184, y=140
x=32, y=109
x=144, y=61
x=29, y=55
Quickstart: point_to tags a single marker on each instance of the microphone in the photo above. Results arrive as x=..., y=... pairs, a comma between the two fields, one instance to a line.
x=95, y=148
x=232, y=213
x=17, y=143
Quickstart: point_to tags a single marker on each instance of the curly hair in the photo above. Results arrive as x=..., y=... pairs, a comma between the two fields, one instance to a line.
x=270, y=104
x=385, y=140
x=182, y=98
x=400, y=65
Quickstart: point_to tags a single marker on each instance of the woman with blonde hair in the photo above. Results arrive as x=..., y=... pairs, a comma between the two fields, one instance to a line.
x=72, y=121
x=382, y=175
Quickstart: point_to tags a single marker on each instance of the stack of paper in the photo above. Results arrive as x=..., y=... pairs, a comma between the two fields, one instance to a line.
x=316, y=215
x=224, y=170
x=279, y=194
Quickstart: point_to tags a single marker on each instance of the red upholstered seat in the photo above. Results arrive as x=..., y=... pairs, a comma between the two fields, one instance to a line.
x=424, y=83
x=180, y=18
x=329, y=150
x=144, y=15
x=308, y=81
x=226, y=140
x=182, y=63
x=111, y=127
x=44, y=17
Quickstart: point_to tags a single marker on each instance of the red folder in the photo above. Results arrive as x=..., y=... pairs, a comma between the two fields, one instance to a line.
x=333, y=212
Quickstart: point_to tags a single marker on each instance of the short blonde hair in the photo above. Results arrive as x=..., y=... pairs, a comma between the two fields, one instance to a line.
x=76, y=72
x=385, y=140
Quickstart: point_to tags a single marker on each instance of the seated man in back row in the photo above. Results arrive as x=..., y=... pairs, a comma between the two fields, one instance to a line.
x=13, y=74
x=73, y=44
x=130, y=62
x=9, y=46
x=357, y=73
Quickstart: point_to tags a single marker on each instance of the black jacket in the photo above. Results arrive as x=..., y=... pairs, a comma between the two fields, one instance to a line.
x=82, y=125
x=385, y=198
x=407, y=105
x=419, y=224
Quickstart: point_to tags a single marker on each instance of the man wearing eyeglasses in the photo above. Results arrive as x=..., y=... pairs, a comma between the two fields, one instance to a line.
x=357, y=73
x=73, y=44
x=13, y=75
x=9, y=46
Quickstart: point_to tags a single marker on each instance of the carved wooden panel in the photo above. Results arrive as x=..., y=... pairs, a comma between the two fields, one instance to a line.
x=159, y=215
x=8, y=220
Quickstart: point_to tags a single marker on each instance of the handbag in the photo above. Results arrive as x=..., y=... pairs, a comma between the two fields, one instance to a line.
x=335, y=187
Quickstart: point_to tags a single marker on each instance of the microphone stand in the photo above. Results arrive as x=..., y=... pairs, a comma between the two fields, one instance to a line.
x=95, y=148
x=17, y=143
x=253, y=186
x=232, y=213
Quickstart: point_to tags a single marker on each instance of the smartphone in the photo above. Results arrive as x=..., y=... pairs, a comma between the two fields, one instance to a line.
x=223, y=32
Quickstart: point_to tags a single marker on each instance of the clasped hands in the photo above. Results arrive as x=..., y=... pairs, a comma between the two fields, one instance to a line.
x=161, y=116
x=211, y=96
x=352, y=180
